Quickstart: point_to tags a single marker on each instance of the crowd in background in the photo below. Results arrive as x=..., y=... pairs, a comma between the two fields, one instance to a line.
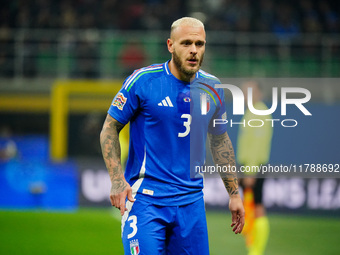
x=85, y=57
x=232, y=15
x=36, y=56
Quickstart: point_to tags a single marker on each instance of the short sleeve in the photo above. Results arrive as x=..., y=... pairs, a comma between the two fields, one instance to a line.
x=220, y=113
x=125, y=103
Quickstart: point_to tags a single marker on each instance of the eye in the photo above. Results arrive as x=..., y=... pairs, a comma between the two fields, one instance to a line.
x=186, y=43
x=200, y=44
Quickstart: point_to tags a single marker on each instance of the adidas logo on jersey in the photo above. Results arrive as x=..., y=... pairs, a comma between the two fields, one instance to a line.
x=166, y=102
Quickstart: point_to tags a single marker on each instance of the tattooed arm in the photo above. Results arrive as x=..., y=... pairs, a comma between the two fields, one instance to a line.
x=109, y=140
x=223, y=155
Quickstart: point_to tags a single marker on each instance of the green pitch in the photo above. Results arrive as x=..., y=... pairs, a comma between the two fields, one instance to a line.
x=97, y=231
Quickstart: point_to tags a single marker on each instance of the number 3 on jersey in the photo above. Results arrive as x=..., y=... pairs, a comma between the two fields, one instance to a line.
x=186, y=124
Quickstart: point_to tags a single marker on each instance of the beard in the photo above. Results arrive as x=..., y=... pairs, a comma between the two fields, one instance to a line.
x=180, y=65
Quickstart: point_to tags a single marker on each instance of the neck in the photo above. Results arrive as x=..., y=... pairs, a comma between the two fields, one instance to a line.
x=179, y=74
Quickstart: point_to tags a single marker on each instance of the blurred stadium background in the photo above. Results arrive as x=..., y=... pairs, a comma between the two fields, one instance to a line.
x=61, y=63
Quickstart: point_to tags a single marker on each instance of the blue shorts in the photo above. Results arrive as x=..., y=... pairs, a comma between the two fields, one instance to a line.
x=151, y=229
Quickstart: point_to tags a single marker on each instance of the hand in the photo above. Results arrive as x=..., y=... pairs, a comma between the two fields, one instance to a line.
x=237, y=213
x=119, y=191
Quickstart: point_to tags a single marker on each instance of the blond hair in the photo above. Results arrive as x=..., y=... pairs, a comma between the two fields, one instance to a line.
x=186, y=21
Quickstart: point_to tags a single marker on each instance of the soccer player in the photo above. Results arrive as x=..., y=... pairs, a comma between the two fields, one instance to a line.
x=253, y=149
x=171, y=108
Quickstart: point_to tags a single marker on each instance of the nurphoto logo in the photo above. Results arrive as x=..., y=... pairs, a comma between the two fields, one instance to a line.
x=239, y=106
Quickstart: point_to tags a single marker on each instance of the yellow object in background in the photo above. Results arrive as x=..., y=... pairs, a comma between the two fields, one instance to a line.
x=249, y=207
x=254, y=143
x=260, y=234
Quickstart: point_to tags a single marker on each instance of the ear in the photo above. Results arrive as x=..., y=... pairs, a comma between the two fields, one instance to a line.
x=170, y=45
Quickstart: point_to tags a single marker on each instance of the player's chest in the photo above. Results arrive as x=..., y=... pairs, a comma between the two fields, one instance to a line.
x=172, y=101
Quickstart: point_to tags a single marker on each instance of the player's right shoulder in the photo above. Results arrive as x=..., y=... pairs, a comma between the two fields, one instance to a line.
x=142, y=75
x=208, y=76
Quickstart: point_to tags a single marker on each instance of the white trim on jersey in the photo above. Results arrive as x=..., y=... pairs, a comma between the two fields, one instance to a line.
x=166, y=68
x=135, y=188
x=135, y=75
x=207, y=74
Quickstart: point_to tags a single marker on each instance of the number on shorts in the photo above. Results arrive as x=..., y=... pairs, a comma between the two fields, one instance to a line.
x=133, y=225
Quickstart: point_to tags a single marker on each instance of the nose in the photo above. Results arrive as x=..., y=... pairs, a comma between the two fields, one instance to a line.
x=193, y=49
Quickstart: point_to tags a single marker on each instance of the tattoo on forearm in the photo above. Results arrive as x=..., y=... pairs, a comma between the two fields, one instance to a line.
x=110, y=145
x=223, y=155
x=230, y=185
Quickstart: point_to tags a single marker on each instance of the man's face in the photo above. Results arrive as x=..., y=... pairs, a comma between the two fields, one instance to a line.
x=187, y=45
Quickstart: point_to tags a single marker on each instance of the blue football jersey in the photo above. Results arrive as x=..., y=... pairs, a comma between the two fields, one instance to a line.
x=169, y=122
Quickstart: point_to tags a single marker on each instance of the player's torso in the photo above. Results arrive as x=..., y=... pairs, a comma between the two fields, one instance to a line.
x=173, y=107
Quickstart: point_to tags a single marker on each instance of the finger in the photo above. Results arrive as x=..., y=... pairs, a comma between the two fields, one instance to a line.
x=233, y=218
x=239, y=225
x=242, y=222
x=122, y=205
x=236, y=226
x=115, y=201
x=237, y=229
x=129, y=196
x=112, y=200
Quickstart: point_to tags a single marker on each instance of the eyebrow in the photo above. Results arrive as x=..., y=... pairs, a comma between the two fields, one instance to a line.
x=192, y=41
